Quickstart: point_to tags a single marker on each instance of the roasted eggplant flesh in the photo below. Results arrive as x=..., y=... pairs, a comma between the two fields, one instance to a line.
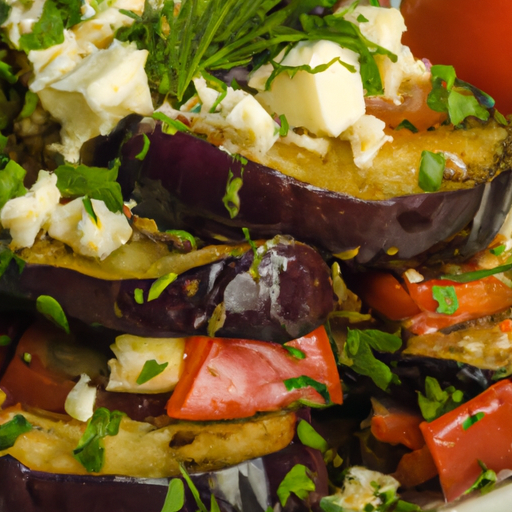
x=287, y=294
x=184, y=180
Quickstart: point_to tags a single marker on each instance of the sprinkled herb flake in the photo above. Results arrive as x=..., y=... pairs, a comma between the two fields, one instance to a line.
x=160, y=285
x=53, y=311
x=407, y=125
x=285, y=127
x=175, y=497
x=12, y=429
x=446, y=296
x=296, y=481
x=145, y=148
x=5, y=340
x=138, y=295
x=170, y=126
x=485, y=482
x=471, y=420
x=305, y=382
x=231, y=199
x=498, y=251
x=431, y=171
x=90, y=209
x=310, y=437
x=150, y=370
x=295, y=352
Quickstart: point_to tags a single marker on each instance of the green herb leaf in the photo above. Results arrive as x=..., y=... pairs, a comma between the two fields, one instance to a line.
x=437, y=401
x=461, y=106
x=231, y=199
x=150, y=370
x=357, y=354
x=446, y=296
x=5, y=340
x=407, y=125
x=431, y=171
x=296, y=481
x=467, y=277
x=498, y=251
x=138, y=295
x=175, y=497
x=305, y=382
x=295, y=352
x=193, y=489
x=485, y=482
x=310, y=437
x=11, y=182
x=53, y=311
x=11, y=430
x=471, y=420
x=160, y=285
x=145, y=148
x=95, y=182
x=170, y=126
x=285, y=127
x=88, y=207
x=5, y=9
x=31, y=101
x=183, y=236
x=90, y=449
x=47, y=31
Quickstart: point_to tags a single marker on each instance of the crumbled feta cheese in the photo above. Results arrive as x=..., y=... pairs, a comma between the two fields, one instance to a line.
x=105, y=87
x=25, y=216
x=80, y=401
x=325, y=103
x=360, y=490
x=132, y=352
x=366, y=137
x=21, y=18
x=71, y=224
x=317, y=145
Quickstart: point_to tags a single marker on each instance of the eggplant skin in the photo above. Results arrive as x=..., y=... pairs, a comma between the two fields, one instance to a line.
x=194, y=175
x=292, y=296
x=35, y=491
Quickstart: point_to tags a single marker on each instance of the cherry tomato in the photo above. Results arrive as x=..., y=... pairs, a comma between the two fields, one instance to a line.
x=471, y=35
x=478, y=430
x=476, y=299
x=229, y=378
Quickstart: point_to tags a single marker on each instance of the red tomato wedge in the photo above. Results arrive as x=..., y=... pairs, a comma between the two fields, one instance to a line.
x=476, y=299
x=232, y=378
x=477, y=430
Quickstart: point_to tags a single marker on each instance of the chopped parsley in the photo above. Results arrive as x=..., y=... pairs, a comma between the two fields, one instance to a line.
x=471, y=420
x=53, y=311
x=407, y=125
x=150, y=370
x=297, y=481
x=446, y=297
x=231, y=199
x=138, y=295
x=295, y=352
x=89, y=208
x=11, y=182
x=310, y=437
x=306, y=382
x=431, y=171
x=498, y=251
x=160, y=285
x=437, y=401
x=5, y=340
x=12, y=429
x=485, y=482
x=145, y=148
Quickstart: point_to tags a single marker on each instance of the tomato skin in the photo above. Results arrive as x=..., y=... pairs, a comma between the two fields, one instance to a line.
x=383, y=292
x=415, y=468
x=471, y=35
x=456, y=451
x=229, y=378
x=476, y=299
x=398, y=427
x=33, y=383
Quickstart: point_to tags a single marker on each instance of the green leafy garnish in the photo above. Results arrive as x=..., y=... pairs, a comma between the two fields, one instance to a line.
x=145, y=148
x=89, y=208
x=214, y=507
x=138, y=295
x=53, y=311
x=5, y=9
x=231, y=199
x=498, y=251
x=257, y=256
x=11, y=430
x=295, y=352
x=160, y=285
x=31, y=100
x=471, y=420
x=296, y=481
x=446, y=296
x=467, y=277
x=170, y=126
x=357, y=354
x=90, y=449
x=11, y=182
x=95, y=182
x=457, y=98
x=407, y=125
x=431, y=171
x=183, y=236
x=437, y=401
x=285, y=127
x=310, y=437
x=5, y=340
x=6, y=255
x=485, y=482
x=175, y=497
x=306, y=382
x=150, y=370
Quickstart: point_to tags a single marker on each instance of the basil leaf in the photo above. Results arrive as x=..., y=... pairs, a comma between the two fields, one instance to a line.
x=471, y=420
x=437, y=401
x=467, y=277
x=310, y=437
x=461, y=106
x=11, y=182
x=11, y=430
x=175, y=497
x=446, y=296
x=150, y=370
x=95, y=182
x=305, y=382
x=445, y=73
x=295, y=352
x=357, y=354
x=407, y=125
x=53, y=311
x=296, y=481
x=485, y=482
x=145, y=148
x=90, y=449
x=160, y=285
x=431, y=171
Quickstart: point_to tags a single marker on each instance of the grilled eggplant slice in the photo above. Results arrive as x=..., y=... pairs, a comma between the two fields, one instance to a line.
x=287, y=293
x=389, y=217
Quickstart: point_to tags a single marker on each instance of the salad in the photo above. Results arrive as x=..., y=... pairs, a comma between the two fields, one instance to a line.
x=253, y=255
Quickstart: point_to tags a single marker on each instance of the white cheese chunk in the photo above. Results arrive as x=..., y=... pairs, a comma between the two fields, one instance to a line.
x=325, y=103
x=72, y=225
x=317, y=145
x=21, y=18
x=80, y=401
x=132, y=352
x=366, y=137
x=105, y=87
x=25, y=216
